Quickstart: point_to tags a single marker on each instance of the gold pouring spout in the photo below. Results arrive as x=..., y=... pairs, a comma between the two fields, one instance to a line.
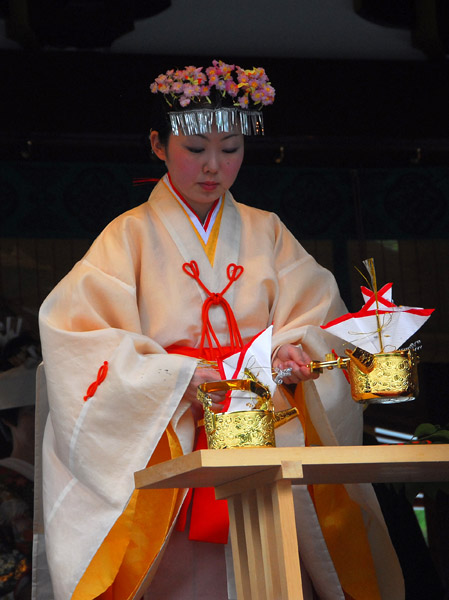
x=362, y=359
x=284, y=416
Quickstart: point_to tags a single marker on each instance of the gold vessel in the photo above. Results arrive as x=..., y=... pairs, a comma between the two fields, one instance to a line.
x=387, y=378
x=242, y=429
x=394, y=378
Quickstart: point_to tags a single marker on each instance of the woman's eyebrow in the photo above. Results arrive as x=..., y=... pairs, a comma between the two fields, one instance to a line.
x=227, y=137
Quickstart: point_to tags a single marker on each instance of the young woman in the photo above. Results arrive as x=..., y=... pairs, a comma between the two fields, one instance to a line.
x=136, y=326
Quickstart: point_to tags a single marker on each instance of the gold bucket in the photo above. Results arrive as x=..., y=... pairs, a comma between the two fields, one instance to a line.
x=383, y=378
x=393, y=378
x=246, y=428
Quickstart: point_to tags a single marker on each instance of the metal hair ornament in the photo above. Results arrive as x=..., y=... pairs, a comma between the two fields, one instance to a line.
x=227, y=95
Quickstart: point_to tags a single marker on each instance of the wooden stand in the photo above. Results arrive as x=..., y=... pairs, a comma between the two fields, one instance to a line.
x=258, y=485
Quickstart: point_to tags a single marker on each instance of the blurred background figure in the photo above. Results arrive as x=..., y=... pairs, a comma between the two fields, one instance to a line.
x=19, y=357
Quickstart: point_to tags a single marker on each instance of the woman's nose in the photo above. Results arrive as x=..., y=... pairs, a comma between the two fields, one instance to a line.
x=211, y=163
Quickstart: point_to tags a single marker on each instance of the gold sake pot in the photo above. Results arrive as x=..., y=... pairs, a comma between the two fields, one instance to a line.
x=382, y=378
x=394, y=378
x=242, y=429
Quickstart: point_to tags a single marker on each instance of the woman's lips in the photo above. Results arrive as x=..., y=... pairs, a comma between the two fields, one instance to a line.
x=209, y=186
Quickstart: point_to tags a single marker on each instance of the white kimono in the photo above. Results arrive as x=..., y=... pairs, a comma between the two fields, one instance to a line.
x=125, y=302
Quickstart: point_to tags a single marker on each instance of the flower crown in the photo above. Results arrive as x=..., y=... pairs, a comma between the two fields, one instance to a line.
x=222, y=88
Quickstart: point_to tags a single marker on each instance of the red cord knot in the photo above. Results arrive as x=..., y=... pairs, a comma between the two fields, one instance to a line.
x=233, y=272
x=101, y=376
x=191, y=269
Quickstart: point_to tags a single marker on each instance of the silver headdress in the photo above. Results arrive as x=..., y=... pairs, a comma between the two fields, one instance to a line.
x=193, y=122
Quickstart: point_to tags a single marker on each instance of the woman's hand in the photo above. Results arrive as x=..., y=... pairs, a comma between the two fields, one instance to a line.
x=294, y=357
x=203, y=375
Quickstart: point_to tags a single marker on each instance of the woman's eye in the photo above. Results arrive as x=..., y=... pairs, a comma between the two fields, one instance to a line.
x=230, y=150
x=195, y=150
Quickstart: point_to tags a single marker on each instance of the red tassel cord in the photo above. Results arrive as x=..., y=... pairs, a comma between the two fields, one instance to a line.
x=101, y=376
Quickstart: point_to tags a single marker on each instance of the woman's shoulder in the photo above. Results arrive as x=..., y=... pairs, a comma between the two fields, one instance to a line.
x=264, y=221
x=138, y=218
x=252, y=212
x=132, y=218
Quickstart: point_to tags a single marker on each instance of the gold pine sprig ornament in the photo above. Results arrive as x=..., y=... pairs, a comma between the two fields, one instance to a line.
x=369, y=266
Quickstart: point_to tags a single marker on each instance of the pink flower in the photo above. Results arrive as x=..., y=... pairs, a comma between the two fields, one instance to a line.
x=248, y=86
x=268, y=95
x=232, y=88
x=189, y=90
x=225, y=69
x=164, y=88
x=243, y=77
x=213, y=78
x=217, y=64
x=266, y=100
x=256, y=96
x=200, y=78
x=176, y=87
x=259, y=73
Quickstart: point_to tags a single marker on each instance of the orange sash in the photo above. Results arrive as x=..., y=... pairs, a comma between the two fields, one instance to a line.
x=128, y=551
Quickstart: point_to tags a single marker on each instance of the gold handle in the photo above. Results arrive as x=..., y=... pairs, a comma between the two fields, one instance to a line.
x=205, y=389
x=317, y=366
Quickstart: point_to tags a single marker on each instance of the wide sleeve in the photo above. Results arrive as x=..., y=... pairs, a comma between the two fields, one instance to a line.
x=101, y=430
x=307, y=297
x=91, y=317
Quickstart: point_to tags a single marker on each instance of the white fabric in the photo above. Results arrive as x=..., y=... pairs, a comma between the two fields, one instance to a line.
x=204, y=229
x=380, y=325
x=257, y=359
x=125, y=302
x=41, y=582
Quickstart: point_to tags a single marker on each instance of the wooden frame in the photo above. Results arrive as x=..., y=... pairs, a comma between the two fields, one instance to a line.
x=258, y=485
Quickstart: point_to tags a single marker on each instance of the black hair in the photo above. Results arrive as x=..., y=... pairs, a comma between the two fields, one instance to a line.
x=159, y=119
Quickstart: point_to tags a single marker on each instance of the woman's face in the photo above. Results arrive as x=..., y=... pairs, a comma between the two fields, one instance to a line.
x=202, y=167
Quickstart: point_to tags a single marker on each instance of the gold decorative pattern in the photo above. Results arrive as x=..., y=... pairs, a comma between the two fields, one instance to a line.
x=245, y=429
x=394, y=378
x=241, y=429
